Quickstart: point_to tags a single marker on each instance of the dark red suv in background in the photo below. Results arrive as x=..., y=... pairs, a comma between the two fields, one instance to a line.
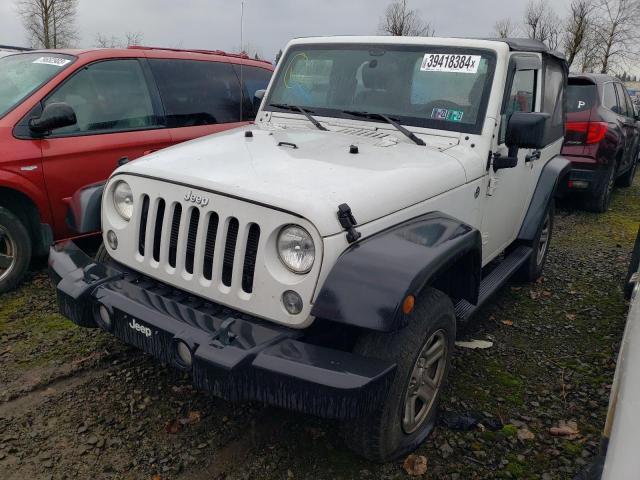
x=601, y=139
x=69, y=117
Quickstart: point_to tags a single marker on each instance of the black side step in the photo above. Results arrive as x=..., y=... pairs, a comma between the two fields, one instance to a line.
x=492, y=282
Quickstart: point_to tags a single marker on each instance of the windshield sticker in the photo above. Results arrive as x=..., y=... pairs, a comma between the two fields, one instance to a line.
x=446, y=114
x=56, y=61
x=437, y=62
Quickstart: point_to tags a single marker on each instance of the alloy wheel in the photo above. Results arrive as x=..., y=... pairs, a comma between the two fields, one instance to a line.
x=543, y=243
x=7, y=253
x=424, y=384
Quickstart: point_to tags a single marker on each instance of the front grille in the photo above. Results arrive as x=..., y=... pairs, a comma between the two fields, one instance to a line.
x=190, y=240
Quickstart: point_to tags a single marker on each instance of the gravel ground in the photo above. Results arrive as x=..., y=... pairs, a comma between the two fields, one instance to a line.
x=76, y=403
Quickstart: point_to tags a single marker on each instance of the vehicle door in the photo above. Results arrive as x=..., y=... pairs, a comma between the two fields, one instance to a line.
x=117, y=117
x=553, y=102
x=629, y=126
x=508, y=188
x=199, y=97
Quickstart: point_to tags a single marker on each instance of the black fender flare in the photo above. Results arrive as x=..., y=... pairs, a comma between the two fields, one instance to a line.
x=550, y=177
x=370, y=280
x=85, y=210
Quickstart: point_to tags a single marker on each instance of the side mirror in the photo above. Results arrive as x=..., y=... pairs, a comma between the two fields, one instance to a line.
x=524, y=130
x=54, y=115
x=527, y=130
x=257, y=98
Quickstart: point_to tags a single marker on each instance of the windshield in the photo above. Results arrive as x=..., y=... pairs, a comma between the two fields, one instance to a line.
x=23, y=74
x=424, y=86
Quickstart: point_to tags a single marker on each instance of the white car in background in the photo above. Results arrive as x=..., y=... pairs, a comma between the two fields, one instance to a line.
x=623, y=419
x=618, y=459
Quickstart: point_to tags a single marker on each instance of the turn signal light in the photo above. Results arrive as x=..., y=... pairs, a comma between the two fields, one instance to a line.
x=594, y=132
x=409, y=304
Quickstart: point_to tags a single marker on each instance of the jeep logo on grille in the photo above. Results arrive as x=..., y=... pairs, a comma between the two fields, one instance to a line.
x=197, y=199
x=146, y=331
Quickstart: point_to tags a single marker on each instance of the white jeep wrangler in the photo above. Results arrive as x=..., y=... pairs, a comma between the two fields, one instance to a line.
x=320, y=259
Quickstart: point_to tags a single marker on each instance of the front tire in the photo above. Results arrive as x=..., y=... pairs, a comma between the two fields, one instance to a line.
x=15, y=250
x=422, y=352
x=102, y=256
x=532, y=269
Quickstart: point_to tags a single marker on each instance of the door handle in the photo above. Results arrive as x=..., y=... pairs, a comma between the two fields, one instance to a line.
x=533, y=156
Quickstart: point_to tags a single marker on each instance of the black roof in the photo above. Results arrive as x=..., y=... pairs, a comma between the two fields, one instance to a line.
x=528, y=45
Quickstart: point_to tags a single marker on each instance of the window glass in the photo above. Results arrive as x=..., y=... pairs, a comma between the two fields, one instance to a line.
x=253, y=78
x=609, y=99
x=107, y=96
x=581, y=97
x=425, y=86
x=625, y=103
x=521, y=97
x=631, y=108
x=197, y=92
x=23, y=74
x=554, y=99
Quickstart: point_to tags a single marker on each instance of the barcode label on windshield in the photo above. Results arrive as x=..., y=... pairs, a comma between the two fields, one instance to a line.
x=447, y=62
x=57, y=61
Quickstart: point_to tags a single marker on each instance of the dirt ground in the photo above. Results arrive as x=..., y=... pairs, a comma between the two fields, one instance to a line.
x=78, y=404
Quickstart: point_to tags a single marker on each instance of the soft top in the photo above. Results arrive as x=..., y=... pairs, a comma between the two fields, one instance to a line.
x=528, y=45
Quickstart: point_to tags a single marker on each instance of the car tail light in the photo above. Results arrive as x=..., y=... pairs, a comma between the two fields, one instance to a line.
x=588, y=132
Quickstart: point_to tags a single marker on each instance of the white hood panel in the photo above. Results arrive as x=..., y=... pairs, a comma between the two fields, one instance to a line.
x=312, y=179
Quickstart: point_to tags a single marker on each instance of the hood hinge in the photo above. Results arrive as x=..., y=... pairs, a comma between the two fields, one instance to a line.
x=348, y=222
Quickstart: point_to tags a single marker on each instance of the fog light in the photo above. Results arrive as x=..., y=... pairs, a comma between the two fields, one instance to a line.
x=105, y=317
x=112, y=240
x=184, y=354
x=292, y=302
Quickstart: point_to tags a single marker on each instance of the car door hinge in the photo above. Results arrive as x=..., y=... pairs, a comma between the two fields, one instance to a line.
x=348, y=222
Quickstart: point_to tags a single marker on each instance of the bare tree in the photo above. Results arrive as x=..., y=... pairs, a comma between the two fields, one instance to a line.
x=589, y=56
x=579, y=24
x=130, y=39
x=399, y=20
x=133, y=38
x=616, y=32
x=542, y=23
x=49, y=23
x=504, y=28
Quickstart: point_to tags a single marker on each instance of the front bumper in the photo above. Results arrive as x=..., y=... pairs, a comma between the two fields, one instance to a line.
x=244, y=359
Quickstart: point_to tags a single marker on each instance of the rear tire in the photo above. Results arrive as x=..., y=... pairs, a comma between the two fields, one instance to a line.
x=626, y=180
x=15, y=250
x=599, y=201
x=422, y=351
x=532, y=269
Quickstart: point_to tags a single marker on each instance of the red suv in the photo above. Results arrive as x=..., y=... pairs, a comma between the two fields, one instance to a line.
x=602, y=138
x=69, y=117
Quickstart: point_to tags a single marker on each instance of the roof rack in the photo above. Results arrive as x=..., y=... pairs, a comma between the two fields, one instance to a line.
x=222, y=53
x=17, y=49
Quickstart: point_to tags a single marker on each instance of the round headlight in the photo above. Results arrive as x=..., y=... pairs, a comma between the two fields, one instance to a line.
x=123, y=200
x=296, y=249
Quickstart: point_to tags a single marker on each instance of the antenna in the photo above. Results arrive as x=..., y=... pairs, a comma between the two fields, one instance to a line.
x=241, y=50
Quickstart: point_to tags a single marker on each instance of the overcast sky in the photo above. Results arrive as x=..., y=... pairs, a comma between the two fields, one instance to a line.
x=268, y=24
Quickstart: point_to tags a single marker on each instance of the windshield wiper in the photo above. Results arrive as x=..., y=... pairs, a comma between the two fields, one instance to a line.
x=303, y=111
x=409, y=134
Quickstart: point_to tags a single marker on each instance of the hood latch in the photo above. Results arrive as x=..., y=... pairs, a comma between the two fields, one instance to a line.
x=348, y=222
